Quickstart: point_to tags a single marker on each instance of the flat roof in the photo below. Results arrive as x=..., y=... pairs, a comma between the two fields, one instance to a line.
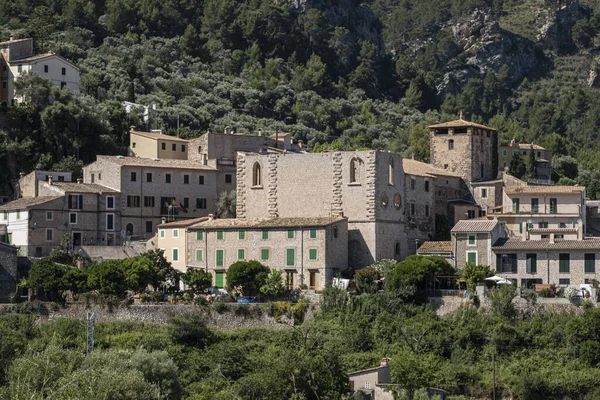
x=154, y=135
x=156, y=163
x=74, y=187
x=27, y=202
x=474, y=226
x=460, y=123
x=544, y=244
x=235, y=223
x=543, y=189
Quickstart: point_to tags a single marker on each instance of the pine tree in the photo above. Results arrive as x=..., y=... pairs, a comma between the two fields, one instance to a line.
x=517, y=166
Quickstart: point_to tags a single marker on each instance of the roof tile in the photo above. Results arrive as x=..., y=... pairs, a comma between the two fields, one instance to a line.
x=435, y=247
x=268, y=222
x=460, y=123
x=474, y=226
x=157, y=163
x=543, y=189
x=504, y=244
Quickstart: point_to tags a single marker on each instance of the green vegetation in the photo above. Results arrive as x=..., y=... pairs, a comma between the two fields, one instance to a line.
x=251, y=276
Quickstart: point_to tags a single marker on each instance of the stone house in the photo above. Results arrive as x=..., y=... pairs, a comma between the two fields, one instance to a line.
x=370, y=381
x=472, y=241
x=543, y=158
x=442, y=248
x=173, y=238
x=310, y=250
x=365, y=186
x=155, y=188
x=28, y=184
x=8, y=270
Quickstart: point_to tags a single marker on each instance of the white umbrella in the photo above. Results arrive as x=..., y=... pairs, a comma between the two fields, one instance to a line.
x=495, y=278
x=504, y=282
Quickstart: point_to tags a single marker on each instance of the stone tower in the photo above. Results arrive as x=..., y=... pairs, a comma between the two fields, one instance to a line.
x=466, y=149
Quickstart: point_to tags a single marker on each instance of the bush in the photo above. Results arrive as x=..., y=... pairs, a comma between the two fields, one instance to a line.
x=571, y=293
x=299, y=310
x=250, y=275
x=279, y=308
x=197, y=279
x=221, y=307
x=546, y=293
x=365, y=280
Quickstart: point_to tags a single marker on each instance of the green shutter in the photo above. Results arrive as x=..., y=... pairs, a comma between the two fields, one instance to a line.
x=531, y=263
x=219, y=279
x=198, y=255
x=264, y=254
x=49, y=234
x=590, y=263
x=472, y=257
x=265, y=235
x=290, y=234
x=242, y=235
x=313, y=233
x=199, y=235
x=175, y=255
x=290, y=257
x=219, y=235
x=219, y=258
x=520, y=227
x=564, y=266
x=241, y=255
x=312, y=254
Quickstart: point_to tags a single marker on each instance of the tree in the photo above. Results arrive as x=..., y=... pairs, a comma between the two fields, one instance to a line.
x=34, y=89
x=107, y=277
x=414, y=271
x=565, y=166
x=140, y=272
x=517, y=166
x=197, y=279
x=70, y=164
x=531, y=164
x=226, y=205
x=168, y=276
x=384, y=267
x=273, y=285
x=473, y=274
x=250, y=275
x=47, y=275
x=366, y=280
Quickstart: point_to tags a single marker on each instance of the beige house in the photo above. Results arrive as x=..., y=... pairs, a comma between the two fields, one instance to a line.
x=543, y=158
x=310, y=250
x=28, y=184
x=371, y=381
x=172, y=239
x=152, y=189
x=157, y=145
x=472, y=241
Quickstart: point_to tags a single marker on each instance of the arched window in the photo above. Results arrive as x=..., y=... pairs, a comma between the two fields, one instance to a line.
x=129, y=230
x=391, y=171
x=384, y=199
x=256, y=175
x=397, y=200
x=355, y=170
x=199, y=149
x=397, y=248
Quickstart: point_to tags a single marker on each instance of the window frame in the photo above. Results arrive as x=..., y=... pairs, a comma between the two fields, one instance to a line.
x=175, y=254
x=472, y=252
x=564, y=263
x=469, y=236
x=586, y=262
x=290, y=251
x=113, y=202
x=531, y=263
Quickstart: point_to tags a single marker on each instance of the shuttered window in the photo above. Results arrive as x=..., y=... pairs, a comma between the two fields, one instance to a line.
x=531, y=263
x=564, y=264
x=290, y=257
x=590, y=263
x=219, y=257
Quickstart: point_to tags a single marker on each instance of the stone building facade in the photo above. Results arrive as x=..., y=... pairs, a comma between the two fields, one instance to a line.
x=8, y=270
x=28, y=184
x=465, y=148
x=367, y=187
x=472, y=241
x=543, y=158
x=310, y=251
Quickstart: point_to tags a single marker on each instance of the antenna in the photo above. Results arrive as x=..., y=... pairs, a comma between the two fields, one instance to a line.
x=91, y=320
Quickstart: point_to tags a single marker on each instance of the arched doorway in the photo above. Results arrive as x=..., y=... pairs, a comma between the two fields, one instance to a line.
x=129, y=230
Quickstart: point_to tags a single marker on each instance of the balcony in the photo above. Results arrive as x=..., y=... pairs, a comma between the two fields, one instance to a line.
x=563, y=210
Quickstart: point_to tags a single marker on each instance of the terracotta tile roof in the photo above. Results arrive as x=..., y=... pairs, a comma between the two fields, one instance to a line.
x=281, y=135
x=183, y=223
x=474, y=226
x=526, y=146
x=544, y=244
x=460, y=123
x=4, y=44
x=72, y=187
x=413, y=167
x=435, y=247
x=268, y=222
x=543, y=189
x=157, y=163
x=27, y=202
x=154, y=135
x=553, y=230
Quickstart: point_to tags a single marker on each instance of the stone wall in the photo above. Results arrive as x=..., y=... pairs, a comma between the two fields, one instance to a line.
x=8, y=270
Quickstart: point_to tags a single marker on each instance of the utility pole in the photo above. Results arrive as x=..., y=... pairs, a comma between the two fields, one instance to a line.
x=91, y=320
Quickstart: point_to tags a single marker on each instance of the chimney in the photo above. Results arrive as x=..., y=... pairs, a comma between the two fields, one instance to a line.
x=11, y=38
x=163, y=220
x=580, y=230
x=384, y=362
x=132, y=128
x=513, y=142
x=300, y=144
x=211, y=217
x=552, y=238
x=79, y=180
x=50, y=179
x=21, y=175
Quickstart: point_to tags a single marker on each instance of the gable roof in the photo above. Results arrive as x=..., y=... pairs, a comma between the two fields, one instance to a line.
x=28, y=202
x=544, y=244
x=413, y=167
x=154, y=135
x=72, y=187
x=474, y=226
x=543, y=189
x=183, y=223
x=235, y=223
x=157, y=163
x=460, y=123
x=9, y=42
x=38, y=57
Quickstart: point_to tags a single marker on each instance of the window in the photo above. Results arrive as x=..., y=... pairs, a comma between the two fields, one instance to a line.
x=504, y=152
x=228, y=178
x=412, y=208
x=312, y=254
x=75, y=202
x=186, y=202
x=265, y=235
x=186, y=179
x=73, y=218
x=175, y=254
x=471, y=257
x=470, y=214
x=133, y=201
x=49, y=235
x=175, y=233
x=148, y=201
x=99, y=177
x=62, y=85
x=133, y=176
x=133, y=145
x=531, y=259
x=312, y=279
x=553, y=206
x=290, y=234
x=391, y=172
x=167, y=178
x=241, y=254
x=63, y=71
x=256, y=175
x=46, y=68
x=19, y=68
x=183, y=147
x=92, y=178
x=335, y=232
x=384, y=199
x=264, y=254
x=110, y=222
x=397, y=248
x=201, y=204
x=506, y=263
x=219, y=258
x=427, y=210
x=18, y=214
x=539, y=154
x=199, y=235
x=472, y=239
x=198, y=255
x=219, y=235
x=313, y=233
x=241, y=235
x=110, y=202
x=564, y=281
x=49, y=216
x=590, y=263
x=535, y=205
x=174, y=147
x=290, y=257
x=412, y=183
x=355, y=170
x=483, y=193
x=543, y=225
x=427, y=186
x=289, y=280
x=451, y=144
x=148, y=226
x=515, y=206
x=163, y=146
x=564, y=263
x=201, y=180
x=149, y=177
x=397, y=201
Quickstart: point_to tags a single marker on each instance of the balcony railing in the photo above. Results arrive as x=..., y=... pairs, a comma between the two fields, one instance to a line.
x=545, y=210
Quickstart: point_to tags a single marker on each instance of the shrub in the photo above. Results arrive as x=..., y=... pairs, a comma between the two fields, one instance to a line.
x=220, y=307
x=299, y=310
x=243, y=310
x=571, y=293
x=273, y=286
x=279, y=308
x=366, y=280
x=546, y=293
x=197, y=279
x=250, y=275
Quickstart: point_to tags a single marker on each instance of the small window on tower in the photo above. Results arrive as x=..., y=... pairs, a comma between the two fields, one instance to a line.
x=451, y=144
